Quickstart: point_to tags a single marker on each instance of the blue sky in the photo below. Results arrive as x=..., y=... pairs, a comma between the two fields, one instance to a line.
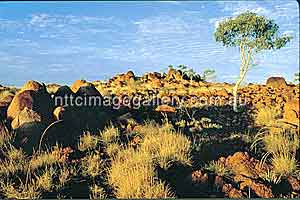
x=64, y=41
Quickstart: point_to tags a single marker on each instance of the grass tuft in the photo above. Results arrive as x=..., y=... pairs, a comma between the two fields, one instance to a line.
x=88, y=142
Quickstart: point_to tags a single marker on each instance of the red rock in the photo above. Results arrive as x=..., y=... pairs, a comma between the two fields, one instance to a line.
x=165, y=108
x=38, y=101
x=32, y=85
x=291, y=111
x=276, y=82
x=79, y=83
x=25, y=116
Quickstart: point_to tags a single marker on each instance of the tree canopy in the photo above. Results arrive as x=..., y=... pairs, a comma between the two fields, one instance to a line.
x=249, y=29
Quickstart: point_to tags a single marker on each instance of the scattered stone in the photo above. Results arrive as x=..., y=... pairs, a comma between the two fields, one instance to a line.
x=295, y=184
x=173, y=75
x=260, y=189
x=219, y=182
x=235, y=193
x=241, y=164
x=165, y=108
x=198, y=177
x=232, y=192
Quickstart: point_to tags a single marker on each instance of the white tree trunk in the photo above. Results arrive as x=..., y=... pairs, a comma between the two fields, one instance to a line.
x=235, y=94
x=245, y=58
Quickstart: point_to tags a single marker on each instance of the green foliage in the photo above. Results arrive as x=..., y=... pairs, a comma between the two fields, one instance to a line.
x=252, y=30
x=209, y=74
x=251, y=33
x=218, y=168
x=189, y=72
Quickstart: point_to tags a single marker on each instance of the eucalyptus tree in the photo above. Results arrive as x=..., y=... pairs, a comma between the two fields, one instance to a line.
x=251, y=33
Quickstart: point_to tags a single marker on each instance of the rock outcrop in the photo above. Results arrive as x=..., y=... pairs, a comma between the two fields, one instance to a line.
x=38, y=101
x=79, y=83
x=291, y=111
x=32, y=85
x=25, y=116
x=276, y=82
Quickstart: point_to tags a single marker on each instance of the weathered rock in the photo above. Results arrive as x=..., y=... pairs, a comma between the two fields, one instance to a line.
x=235, y=193
x=38, y=101
x=173, y=75
x=276, y=82
x=129, y=76
x=52, y=88
x=32, y=85
x=241, y=164
x=88, y=91
x=25, y=116
x=4, y=103
x=63, y=91
x=291, y=111
x=295, y=184
x=198, y=177
x=63, y=96
x=153, y=76
x=219, y=181
x=165, y=108
x=7, y=99
x=58, y=112
x=260, y=189
x=79, y=83
x=222, y=93
x=231, y=192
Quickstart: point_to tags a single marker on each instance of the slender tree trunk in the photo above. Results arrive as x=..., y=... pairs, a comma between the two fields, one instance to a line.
x=243, y=70
x=235, y=94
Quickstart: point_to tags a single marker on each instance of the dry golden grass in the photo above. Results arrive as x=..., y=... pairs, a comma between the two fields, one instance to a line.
x=92, y=165
x=218, y=168
x=42, y=160
x=88, y=142
x=5, y=136
x=110, y=135
x=281, y=144
x=97, y=192
x=45, y=181
x=25, y=177
x=65, y=174
x=282, y=141
x=166, y=146
x=271, y=177
x=267, y=116
x=133, y=175
x=284, y=164
x=28, y=190
x=15, y=161
x=113, y=149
